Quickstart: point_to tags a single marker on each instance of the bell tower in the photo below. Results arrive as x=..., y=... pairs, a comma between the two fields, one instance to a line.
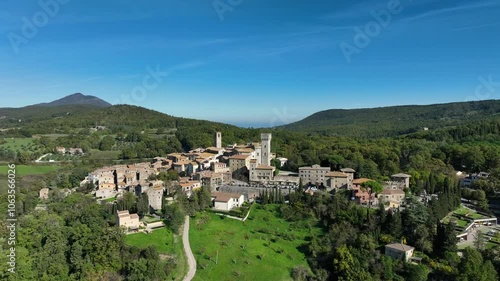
x=218, y=139
x=266, y=149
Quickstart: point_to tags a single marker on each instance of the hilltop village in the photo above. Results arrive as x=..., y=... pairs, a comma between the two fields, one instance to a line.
x=248, y=165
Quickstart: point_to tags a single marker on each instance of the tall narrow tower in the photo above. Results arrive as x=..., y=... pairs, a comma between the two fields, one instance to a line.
x=266, y=149
x=218, y=139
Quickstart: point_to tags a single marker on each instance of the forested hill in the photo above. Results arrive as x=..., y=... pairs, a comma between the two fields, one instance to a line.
x=396, y=120
x=119, y=118
x=19, y=117
x=128, y=118
x=69, y=105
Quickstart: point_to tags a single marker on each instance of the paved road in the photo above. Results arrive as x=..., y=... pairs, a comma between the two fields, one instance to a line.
x=188, y=251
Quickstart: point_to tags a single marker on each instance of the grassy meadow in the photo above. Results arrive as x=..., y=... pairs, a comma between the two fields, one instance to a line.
x=25, y=170
x=265, y=247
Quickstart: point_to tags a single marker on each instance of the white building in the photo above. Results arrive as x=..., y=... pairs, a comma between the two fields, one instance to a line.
x=227, y=201
x=282, y=161
x=44, y=193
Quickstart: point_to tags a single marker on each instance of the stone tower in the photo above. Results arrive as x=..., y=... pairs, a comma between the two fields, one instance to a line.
x=218, y=139
x=266, y=149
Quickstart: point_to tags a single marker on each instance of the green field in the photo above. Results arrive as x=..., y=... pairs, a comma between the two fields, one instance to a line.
x=265, y=247
x=17, y=143
x=23, y=170
x=162, y=239
x=167, y=244
x=104, y=155
x=51, y=136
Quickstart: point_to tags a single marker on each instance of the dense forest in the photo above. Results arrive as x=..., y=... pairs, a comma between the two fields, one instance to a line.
x=395, y=120
x=76, y=240
x=353, y=240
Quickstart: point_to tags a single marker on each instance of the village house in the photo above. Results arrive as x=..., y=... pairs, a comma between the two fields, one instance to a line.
x=209, y=178
x=217, y=167
x=350, y=173
x=314, y=174
x=238, y=162
x=139, y=189
x=161, y=164
x=227, y=201
x=337, y=180
x=261, y=173
x=192, y=168
x=176, y=157
x=44, y=193
x=180, y=166
x=106, y=190
x=126, y=220
x=392, y=197
x=74, y=151
x=215, y=150
x=71, y=151
x=362, y=196
x=468, y=180
x=402, y=178
x=399, y=251
x=189, y=186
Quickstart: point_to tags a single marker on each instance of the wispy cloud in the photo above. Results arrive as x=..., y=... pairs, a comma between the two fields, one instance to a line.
x=476, y=26
x=187, y=65
x=447, y=10
x=318, y=29
x=180, y=66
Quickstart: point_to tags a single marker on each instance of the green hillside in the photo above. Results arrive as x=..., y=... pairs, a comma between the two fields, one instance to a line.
x=17, y=117
x=396, y=120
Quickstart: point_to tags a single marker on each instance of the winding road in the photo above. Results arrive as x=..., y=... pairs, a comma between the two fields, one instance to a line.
x=188, y=251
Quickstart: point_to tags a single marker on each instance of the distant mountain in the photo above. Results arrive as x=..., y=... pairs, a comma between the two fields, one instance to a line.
x=77, y=99
x=69, y=105
x=395, y=120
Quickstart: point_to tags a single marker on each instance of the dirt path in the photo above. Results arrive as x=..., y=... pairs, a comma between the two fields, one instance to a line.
x=188, y=251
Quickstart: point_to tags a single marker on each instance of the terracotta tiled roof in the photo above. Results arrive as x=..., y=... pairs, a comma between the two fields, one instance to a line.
x=399, y=247
x=360, y=181
x=239, y=157
x=224, y=197
x=336, y=175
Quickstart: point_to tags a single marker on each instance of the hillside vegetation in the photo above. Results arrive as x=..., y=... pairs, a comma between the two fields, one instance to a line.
x=396, y=120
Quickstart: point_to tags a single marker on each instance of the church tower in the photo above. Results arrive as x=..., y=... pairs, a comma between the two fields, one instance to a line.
x=266, y=149
x=218, y=139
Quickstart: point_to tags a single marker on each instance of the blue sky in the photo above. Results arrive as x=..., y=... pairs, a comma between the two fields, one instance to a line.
x=261, y=63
